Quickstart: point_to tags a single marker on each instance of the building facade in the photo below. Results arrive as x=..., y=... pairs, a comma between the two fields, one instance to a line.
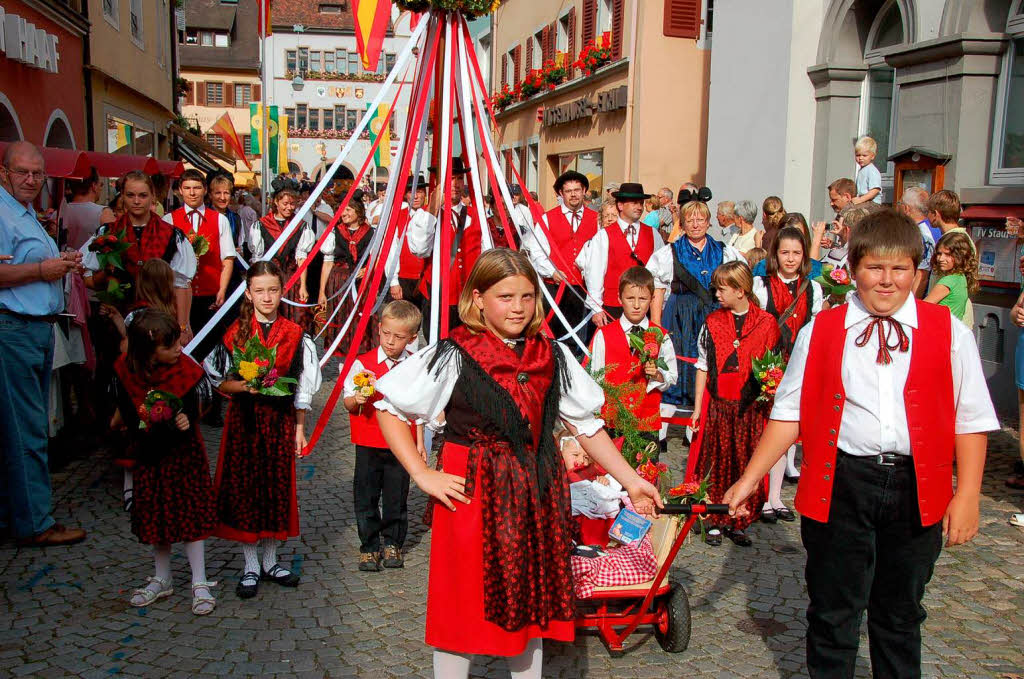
x=316, y=78
x=638, y=116
x=130, y=76
x=41, y=48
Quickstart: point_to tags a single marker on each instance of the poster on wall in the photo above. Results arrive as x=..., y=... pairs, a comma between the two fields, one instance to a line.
x=998, y=253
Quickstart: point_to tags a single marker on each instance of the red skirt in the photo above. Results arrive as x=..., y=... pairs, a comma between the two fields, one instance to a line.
x=455, y=593
x=173, y=498
x=255, y=480
x=338, y=276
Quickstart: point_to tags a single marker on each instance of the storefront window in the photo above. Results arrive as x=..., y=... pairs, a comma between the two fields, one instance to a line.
x=879, y=118
x=1013, y=130
x=125, y=136
x=589, y=163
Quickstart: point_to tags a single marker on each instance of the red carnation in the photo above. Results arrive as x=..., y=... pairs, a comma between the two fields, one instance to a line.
x=160, y=412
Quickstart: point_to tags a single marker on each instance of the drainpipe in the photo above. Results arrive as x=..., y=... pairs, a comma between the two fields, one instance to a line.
x=87, y=76
x=631, y=89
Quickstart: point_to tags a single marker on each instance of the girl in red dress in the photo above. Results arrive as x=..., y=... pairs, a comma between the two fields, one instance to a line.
x=255, y=482
x=342, y=251
x=173, y=497
x=500, y=579
x=731, y=418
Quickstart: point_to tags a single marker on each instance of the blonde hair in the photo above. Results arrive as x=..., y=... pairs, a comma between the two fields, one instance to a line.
x=402, y=311
x=735, y=275
x=867, y=145
x=965, y=259
x=755, y=255
x=684, y=212
x=491, y=268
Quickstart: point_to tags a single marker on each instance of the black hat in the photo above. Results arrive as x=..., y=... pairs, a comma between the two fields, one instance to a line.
x=703, y=194
x=515, y=190
x=457, y=167
x=421, y=183
x=572, y=176
x=630, y=191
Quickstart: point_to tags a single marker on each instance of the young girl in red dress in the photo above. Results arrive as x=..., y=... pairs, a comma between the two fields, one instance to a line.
x=731, y=418
x=342, y=251
x=173, y=497
x=500, y=579
x=255, y=482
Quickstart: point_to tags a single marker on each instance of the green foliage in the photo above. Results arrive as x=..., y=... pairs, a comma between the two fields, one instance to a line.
x=635, y=448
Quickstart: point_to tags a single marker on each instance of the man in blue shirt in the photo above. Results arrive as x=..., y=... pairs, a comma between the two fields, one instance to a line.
x=31, y=296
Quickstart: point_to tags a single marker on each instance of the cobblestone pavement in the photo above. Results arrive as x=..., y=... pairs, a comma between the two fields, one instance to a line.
x=65, y=611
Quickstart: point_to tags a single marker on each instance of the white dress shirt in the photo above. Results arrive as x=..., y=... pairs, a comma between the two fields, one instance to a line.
x=420, y=217
x=593, y=259
x=761, y=292
x=538, y=247
x=665, y=378
x=358, y=367
x=183, y=263
x=420, y=233
x=875, y=416
x=305, y=245
x=663, y=261
x=522, y=217
x=227, y=245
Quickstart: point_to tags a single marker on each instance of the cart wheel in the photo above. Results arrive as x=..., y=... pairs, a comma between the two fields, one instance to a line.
x=676, y=637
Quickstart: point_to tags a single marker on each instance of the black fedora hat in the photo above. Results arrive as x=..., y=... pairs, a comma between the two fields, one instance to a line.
x=421, y=183
x=572, y=176
x=457, y=167
x=703, y=195
x=630, y=191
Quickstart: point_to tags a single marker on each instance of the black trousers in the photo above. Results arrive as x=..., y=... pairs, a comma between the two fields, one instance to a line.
x=381, y=490
x=872, y=554
x=574, y=308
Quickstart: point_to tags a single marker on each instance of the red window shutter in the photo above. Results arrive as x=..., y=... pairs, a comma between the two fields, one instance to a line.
x=545, y=45
x=517, y=60
x=589, y=21
x=682, y=19
x=229, y=94
x=200, y=88
x=529, y=55
x=190, y=93
x=618, y=10
x=257, y=92
x=571, y=57
x=504, y=70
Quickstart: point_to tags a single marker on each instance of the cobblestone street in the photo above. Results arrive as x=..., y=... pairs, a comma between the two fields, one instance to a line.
x=65, y=611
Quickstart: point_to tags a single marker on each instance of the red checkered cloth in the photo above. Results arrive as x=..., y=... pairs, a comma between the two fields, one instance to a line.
x=624, y=565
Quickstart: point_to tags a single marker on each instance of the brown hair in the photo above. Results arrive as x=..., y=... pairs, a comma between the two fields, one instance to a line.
x=736, y=275
x=772, y=215
x=138, y=176
x=754, y=256
x=491, y=268
x=156, y=285
x=246, y=311
x=80, y=187
x=788, y=233
x=281, y=193
x=360, y=210
x=843, y=186
x=150, y=330
x=947, y=204
x=638, y=276
x=885, y=233
x=191, y=175
x=965, y=259
x=852, y=215
x=403, y=311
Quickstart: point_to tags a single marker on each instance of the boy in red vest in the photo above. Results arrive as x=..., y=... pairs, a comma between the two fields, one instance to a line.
x=210, y=284
x=628, y=242
x=409, y=273
x=381, y=484
x=886, y=392
x=610, y=349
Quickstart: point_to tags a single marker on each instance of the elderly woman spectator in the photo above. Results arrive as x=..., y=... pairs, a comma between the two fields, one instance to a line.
x=725, y=215
x=746, y=236
x=682, y=271
x=609, y=213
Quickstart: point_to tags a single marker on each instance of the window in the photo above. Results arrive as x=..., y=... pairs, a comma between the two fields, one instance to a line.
x=215, y=140
x=191, y=37
x=206, y=38
x=315, y=63
x=289, y=60
x=314, y=119
x=879, y=90
x=303, y=59
x=510, y=67
x=351, y=119
x=331, y=8
x=339, y=117
x=1008, y=142
x=605, y=9
x=353, y=63
x=247, y=144
x=135, y=21
x=562, y=36
x=342, y=61
x=290, y=112
x=532, y=166
x=300, y=116
x=879, y=114
x=111, y=13
x=220, y=40
x=162, y=32
x=329, y=62
x=328, y=118
x=537, y=50
x=389, y=62
x=243, y=94
x=590, y=163
x=214, y=93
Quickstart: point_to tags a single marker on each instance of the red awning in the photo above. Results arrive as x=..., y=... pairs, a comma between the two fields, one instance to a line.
x=171, y=168
x=116, y=164
x=75, y=164
x=61, y=162
x=991, y=211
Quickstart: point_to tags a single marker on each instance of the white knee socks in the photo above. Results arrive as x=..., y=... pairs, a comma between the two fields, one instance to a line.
x=528, y=664
x=252, y=561
x=775, y=478
x=270, y=555
x=791, y=468
x=451, y=665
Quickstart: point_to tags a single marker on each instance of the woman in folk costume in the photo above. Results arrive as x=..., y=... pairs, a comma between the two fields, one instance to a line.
x=343, y=248
x=500, y=579
x=292, y=254
x=788, y=294
x=255, y=481
x=682, y=272
x=730, y=416
x=173, y=496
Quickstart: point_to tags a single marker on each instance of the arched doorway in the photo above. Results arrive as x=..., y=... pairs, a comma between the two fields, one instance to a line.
x=10, y=129
x=59, y=136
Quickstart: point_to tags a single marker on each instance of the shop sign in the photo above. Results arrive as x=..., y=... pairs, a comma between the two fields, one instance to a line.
x=585, y=107
x=22, y=41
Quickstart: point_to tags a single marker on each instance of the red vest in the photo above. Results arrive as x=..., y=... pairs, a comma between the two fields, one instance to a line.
x=207, y=279
x=409, y=265
x=622, y=257
x=928, y=396
x=624, y=368
x=363, y=424
x=569, y=244
x=465, y=259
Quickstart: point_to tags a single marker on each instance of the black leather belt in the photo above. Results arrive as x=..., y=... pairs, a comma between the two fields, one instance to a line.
x=51, y=318
x=883, y=459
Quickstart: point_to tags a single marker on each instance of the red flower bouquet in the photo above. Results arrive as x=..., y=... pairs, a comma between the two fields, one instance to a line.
x=255, y=364
x=769, y=370
x=532, y=84
x=158, y=408
x=109, y=249
x=691, y=492
x=648, y=345
x=503, y=98
x=200, y=244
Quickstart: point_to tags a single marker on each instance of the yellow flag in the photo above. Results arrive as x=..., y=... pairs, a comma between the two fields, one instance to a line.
x=282, y=139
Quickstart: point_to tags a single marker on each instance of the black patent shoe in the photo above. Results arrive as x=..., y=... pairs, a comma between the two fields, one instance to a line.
x=769, y=516
x=281, y=576
x=739, y=538
x=248, y=585
x=786, y=514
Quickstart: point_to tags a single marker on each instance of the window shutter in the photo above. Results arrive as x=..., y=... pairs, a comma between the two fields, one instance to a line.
x=229, y=94
x=257, y=92
x=618, y=10
x=529, y=54
x=589, y=21
x=190, y=93
x=517, y=60
x=682, y=19
x=504, y=70
x=545, y=45
x=571, y=57
x=200, y=88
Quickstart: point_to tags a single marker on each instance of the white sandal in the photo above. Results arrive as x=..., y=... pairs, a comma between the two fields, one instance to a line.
x=1017, y=520
x=203, y=605
x=148, y=596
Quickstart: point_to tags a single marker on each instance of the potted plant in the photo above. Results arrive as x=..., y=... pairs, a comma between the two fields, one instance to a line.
x=592, y=58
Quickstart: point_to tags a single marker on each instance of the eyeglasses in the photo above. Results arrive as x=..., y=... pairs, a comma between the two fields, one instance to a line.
x=26, y=174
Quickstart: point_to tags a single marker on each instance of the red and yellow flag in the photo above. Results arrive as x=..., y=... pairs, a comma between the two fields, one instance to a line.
x=226, y=130
x=264, y=19
x=371, y=18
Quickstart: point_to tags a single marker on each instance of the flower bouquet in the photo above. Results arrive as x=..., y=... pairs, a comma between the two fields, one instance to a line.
x=115, y=293
x=657, y=474
x=200, y=244
x=470, y=8
x=255, y=364
x=835, y=282
x=158, y=408
x=366, y=381
x=769, y=370
x=647, y=346
x=553, y=74
x=690, y=492
x=109, y=249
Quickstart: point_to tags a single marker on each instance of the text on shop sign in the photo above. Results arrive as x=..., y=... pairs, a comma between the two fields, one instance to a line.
x=585, y=107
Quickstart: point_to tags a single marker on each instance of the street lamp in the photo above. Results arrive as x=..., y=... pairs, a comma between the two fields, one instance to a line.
x=298, y=83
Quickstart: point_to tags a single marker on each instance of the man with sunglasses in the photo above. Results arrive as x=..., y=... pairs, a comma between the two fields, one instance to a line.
x=31, y=296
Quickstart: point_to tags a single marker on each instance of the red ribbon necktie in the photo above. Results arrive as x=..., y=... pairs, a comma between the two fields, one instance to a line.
x=192, y=215
x=900, y=342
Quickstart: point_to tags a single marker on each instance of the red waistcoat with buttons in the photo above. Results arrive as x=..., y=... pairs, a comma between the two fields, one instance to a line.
x=622, y=257
x=625, y=368
x=409, y=265
x=570, y=243
x=363, y=424
x=465, y=257
x=930, y=407
x=207, y=279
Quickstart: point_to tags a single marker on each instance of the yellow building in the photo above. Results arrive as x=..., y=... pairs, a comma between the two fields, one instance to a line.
x=639, y=116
